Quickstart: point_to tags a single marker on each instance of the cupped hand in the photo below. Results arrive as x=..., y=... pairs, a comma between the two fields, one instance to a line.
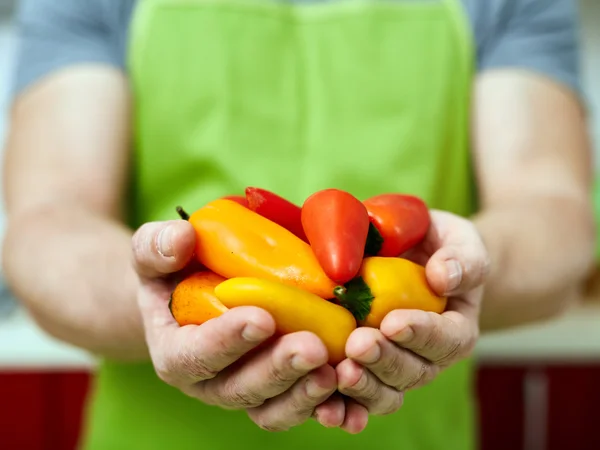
x=232, y=361
x=412, y=347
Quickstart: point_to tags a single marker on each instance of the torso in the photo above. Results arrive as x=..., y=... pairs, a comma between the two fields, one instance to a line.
x=484, y=18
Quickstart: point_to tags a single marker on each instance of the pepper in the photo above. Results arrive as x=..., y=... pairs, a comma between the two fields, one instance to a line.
x=233, y=241
x=242, y=200
x=398, y=223
x=293, y=310
x=384, y=285
x=277, y=209
x=193, y=301
x=336, y=224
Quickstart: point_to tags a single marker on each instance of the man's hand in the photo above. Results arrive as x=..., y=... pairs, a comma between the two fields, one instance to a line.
x=412, y=347
x=280, y=384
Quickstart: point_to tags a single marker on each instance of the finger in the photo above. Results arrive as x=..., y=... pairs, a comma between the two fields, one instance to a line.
x=267, y=374
x=396, y=367
x=421, y=253
x=356, y=418
x=357, y=382
x=461, y=263
x=296, y=406
x=332, y=412
x=162, y=248
x=185, y=356
x=440, y=339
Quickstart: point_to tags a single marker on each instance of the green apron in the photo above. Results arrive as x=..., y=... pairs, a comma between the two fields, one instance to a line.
x=366, y=96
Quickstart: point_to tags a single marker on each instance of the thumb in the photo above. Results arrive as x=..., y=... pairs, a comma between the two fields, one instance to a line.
x=162, y=248
x=458, y=267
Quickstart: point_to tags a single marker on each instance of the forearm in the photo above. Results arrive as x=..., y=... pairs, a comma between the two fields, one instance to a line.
x=541, y=251
x=72, y=270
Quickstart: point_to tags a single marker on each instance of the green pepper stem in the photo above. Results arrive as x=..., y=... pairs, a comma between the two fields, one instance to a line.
x=374, y=241
x=356, y=297
x=182, y=213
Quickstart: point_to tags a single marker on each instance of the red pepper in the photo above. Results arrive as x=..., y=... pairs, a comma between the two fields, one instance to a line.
x=238, y=199
x=277, y=209
x=398, y=223
x=337, y=225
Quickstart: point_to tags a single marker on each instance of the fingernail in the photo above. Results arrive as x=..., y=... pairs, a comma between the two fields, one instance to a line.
x=313, y=390
x=404, y=335
x=454, y=275
x=164, y=242
x=372, y=355
x=301, y=364
x=252, y=333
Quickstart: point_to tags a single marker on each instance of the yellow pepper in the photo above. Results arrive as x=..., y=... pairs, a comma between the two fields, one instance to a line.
x=234, y=241
x=293, y=310
x=386, y=284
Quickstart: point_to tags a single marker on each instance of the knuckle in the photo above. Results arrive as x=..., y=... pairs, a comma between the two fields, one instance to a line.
x=454, y=352
x=391, y=368
x=393, y=404
x=139, y=242
x=370, y=389
x=420, y=378
x=378, y=400
x=459, y=349
x=244, y=400
x=433, y=336
x=281, y=375
x=236, y=396
x=230, y=349
x=301, y=404
x=272, y=426
x=357, y=391
x=196, y=367
x=220, y=344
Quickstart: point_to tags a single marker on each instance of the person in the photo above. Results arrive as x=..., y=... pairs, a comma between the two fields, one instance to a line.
x=124, y=110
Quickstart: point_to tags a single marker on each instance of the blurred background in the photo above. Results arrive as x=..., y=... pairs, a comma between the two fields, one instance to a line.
x=539, y=387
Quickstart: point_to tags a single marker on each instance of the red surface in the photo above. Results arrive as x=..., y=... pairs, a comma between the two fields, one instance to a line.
x=574, y=408
x=44, y=411
x=41, y=411
x=22, y=414
x=501, y=409
x=64, y=407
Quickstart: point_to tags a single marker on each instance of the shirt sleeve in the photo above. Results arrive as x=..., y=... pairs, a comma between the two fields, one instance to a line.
x=537, y=35
x=54, y=34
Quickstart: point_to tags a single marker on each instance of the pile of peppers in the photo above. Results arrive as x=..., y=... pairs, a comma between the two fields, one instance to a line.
x=327, y=266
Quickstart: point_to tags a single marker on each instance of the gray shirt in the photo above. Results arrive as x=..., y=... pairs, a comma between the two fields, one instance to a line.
x=537, y=35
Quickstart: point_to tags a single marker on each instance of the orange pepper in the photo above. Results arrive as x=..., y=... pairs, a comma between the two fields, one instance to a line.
x=293, y=310
x=193, y=301
x=385, y=284
x=234, y=241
